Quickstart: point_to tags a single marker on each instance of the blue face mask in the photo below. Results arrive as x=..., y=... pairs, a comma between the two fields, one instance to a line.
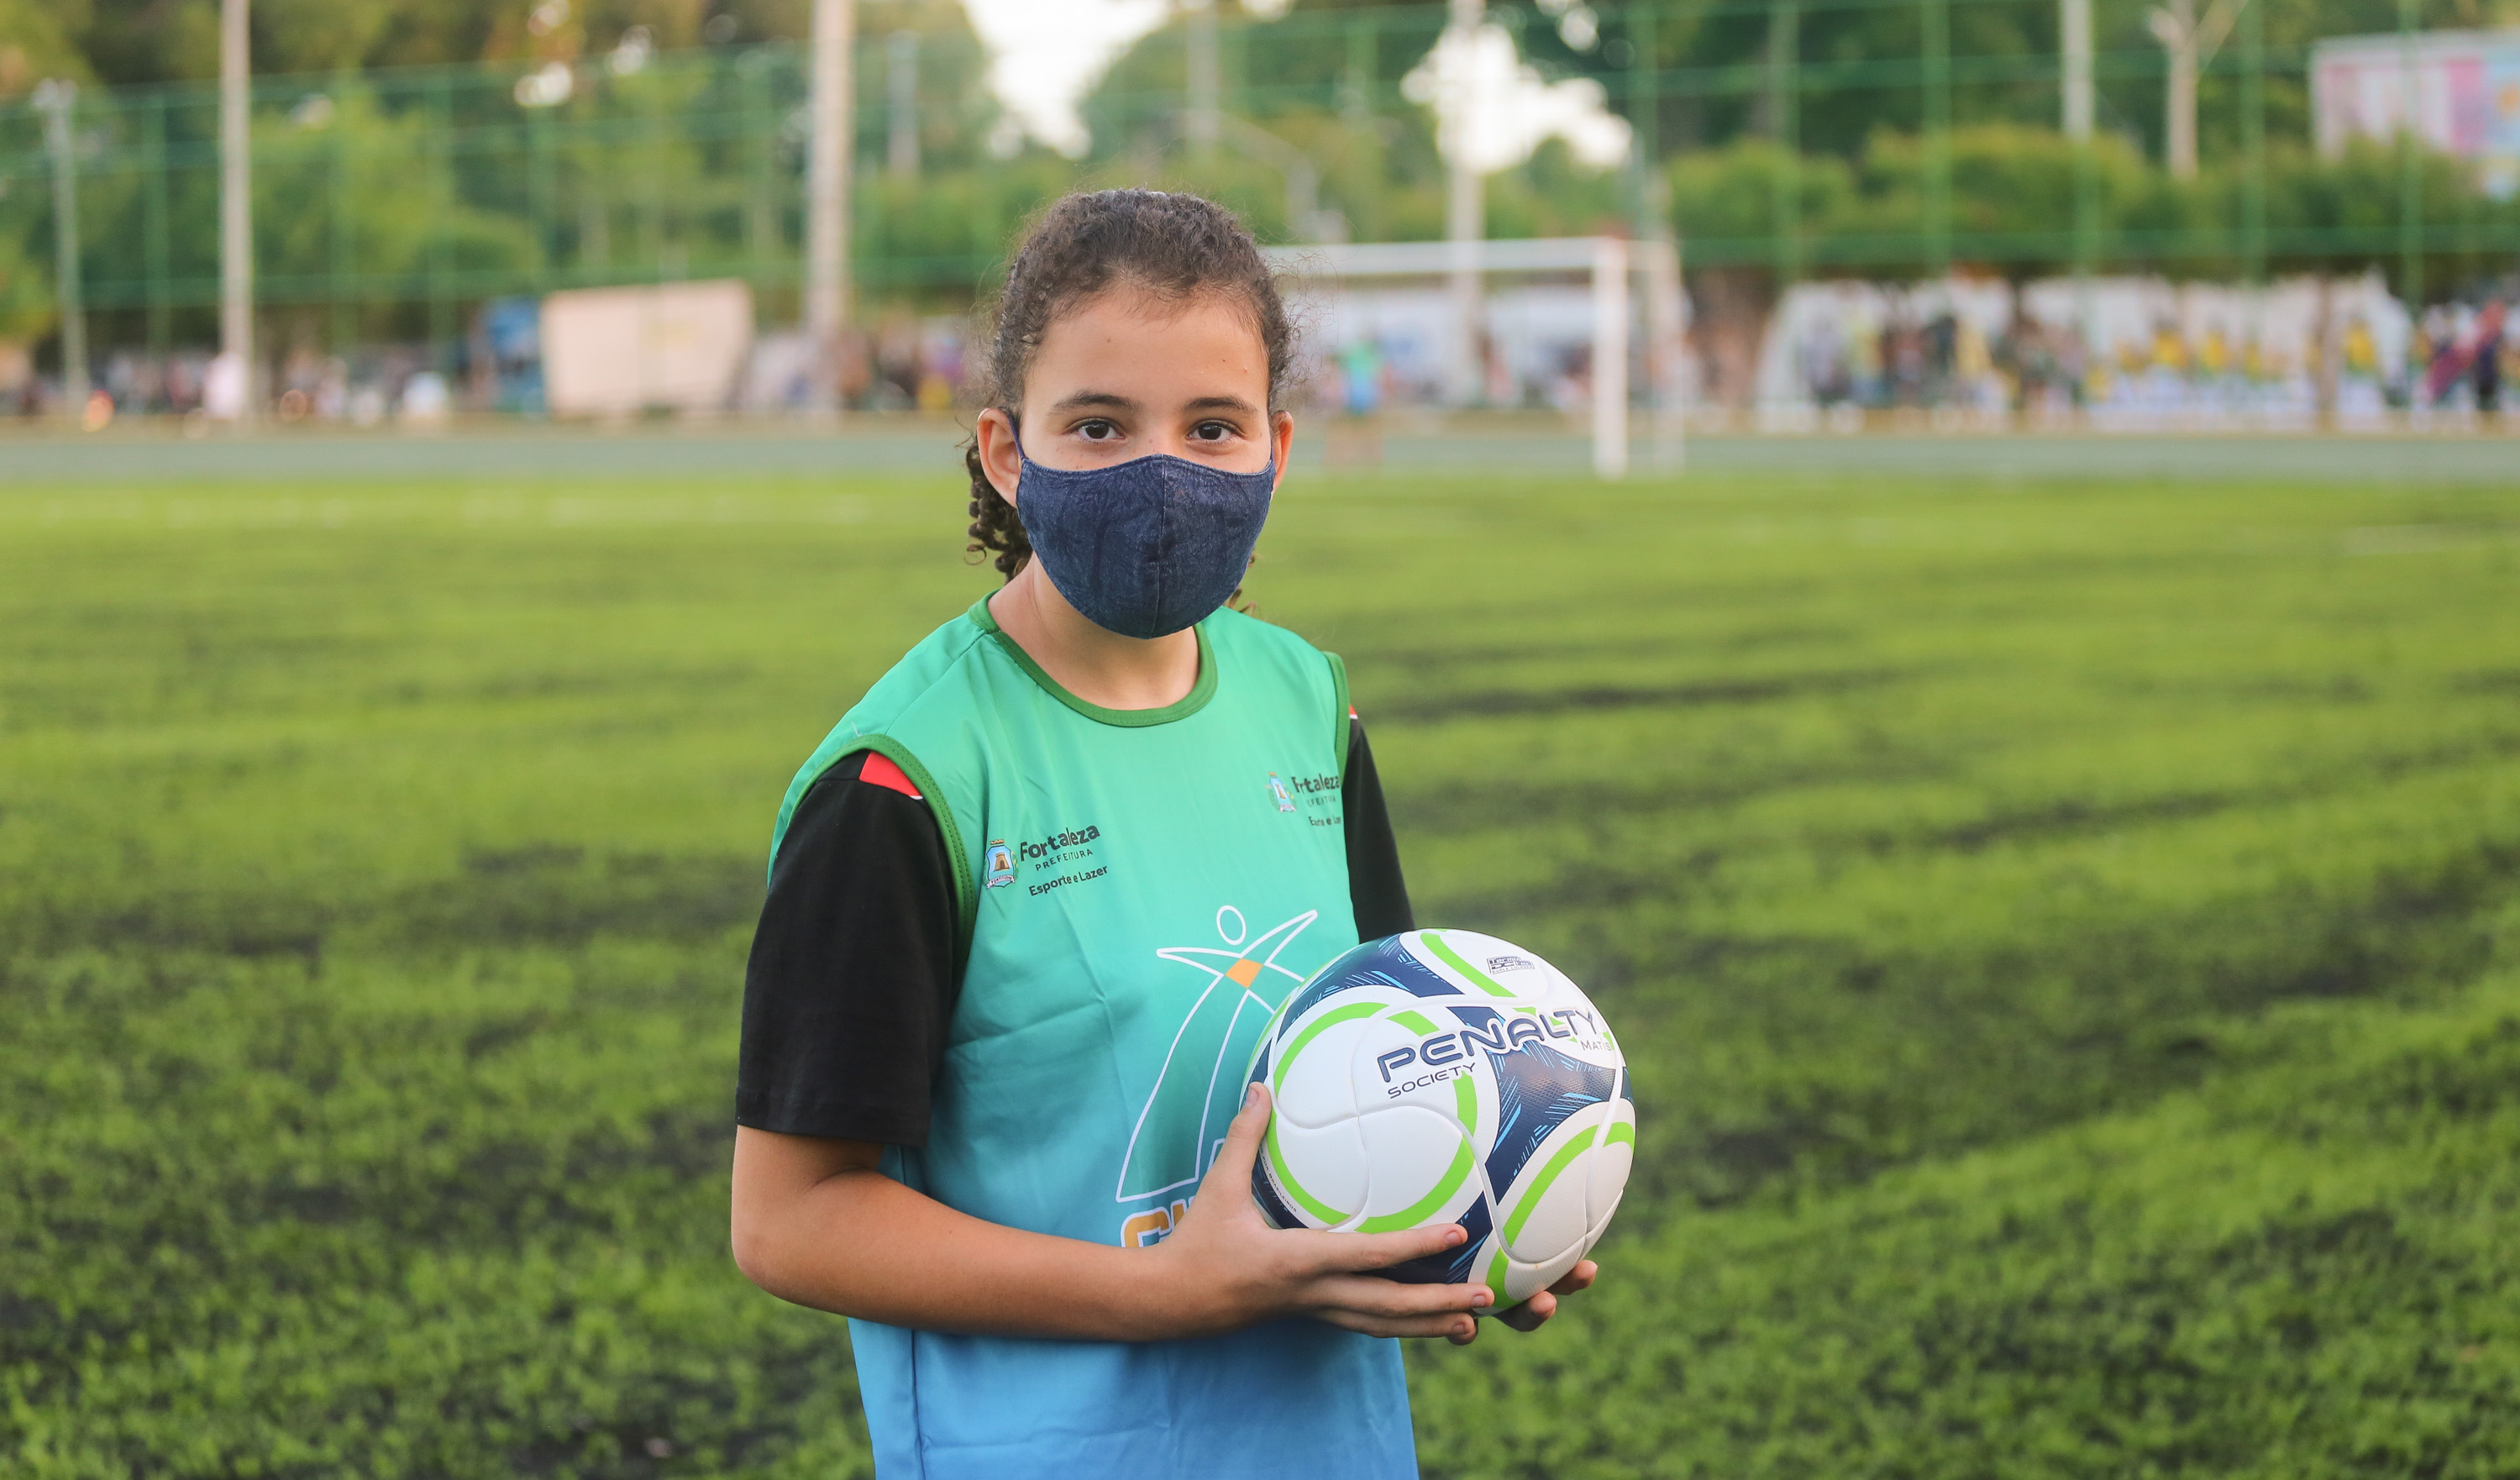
x=1147, y=546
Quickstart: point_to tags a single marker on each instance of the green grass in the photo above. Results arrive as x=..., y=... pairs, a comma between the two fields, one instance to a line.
x=2068, y=936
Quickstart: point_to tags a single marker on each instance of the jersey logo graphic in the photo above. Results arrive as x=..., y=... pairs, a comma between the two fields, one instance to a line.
x=1001, y=864
x=1278, y=790
x=1200, y=1086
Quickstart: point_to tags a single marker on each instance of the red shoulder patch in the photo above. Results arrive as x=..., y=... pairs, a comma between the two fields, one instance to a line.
x=882, y=772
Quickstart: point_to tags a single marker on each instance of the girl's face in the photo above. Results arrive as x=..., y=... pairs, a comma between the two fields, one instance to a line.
x=1127, y=375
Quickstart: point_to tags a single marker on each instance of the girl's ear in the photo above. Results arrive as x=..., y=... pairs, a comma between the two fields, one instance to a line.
x=1000, y=457
x=1281, y=443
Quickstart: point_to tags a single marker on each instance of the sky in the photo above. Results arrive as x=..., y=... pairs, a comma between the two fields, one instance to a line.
x=1047, y=53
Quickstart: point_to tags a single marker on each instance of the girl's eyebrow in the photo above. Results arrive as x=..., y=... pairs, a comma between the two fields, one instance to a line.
x=1084, y=398
x=1220, y=403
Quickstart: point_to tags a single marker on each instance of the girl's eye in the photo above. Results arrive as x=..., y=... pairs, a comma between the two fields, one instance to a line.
x=1212, y=431
x=1097, y=430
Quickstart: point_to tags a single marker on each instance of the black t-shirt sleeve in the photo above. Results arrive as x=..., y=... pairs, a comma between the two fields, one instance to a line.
x=1374, y=887
x=851, y=983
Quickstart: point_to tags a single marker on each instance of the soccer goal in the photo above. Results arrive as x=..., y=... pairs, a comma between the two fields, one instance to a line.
x=1458, y=338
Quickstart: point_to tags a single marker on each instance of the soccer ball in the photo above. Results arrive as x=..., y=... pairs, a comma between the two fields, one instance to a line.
x=1443, y=1076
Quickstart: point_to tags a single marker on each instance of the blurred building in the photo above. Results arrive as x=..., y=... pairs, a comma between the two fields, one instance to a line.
x=2467, y=89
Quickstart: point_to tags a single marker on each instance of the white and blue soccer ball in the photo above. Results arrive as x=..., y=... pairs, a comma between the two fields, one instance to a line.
x=1443, y=1076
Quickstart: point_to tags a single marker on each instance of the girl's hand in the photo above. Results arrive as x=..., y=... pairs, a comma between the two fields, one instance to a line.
x=1225, y=1268
x=817, y=1222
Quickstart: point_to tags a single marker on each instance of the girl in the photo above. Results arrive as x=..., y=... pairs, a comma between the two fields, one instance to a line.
x=1031, y=904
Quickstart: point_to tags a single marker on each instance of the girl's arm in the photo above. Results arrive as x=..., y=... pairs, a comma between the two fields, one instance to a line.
x=817, y=1223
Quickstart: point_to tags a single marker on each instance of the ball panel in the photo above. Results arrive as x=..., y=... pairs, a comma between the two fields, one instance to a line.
x=1414, y=1020
x=1394, y=964
x=1321, y=1171
x=1546, y=1210
x=1605, y=1171
x=1593, y=1235
x=1510, y=969
x=1338, y=977
x=1384, y=1057
x=1538, y=1088
x=1383, y=962
x=1421, y=1166
x=1442, y=958
x=1525, y=1281
x=1382, y=1079
x=1309, y=1078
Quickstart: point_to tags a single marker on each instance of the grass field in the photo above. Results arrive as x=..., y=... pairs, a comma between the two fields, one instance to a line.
x=2067, y=935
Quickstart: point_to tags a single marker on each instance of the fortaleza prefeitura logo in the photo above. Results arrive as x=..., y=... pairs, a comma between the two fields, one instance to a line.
x=1286, y=790
x=1320, y=793
x=1051, y=850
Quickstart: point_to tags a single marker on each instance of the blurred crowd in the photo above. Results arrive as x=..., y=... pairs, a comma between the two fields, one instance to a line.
x=902, y=362
x=2132, y=352
x=2118, y=353
x=397, y=382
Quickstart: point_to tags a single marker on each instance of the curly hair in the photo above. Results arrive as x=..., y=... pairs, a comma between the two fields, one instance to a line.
x=1175, y=246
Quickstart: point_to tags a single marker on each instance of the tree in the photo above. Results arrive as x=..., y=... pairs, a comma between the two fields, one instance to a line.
x=37, y=41
x=27, y=307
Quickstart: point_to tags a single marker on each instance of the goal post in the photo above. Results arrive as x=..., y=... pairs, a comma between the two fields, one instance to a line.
x=1611, y=265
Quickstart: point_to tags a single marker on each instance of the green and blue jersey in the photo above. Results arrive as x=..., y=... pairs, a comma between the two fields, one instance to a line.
x=1139, y=891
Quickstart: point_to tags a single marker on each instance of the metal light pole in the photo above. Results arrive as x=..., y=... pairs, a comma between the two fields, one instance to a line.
x=1785, y=124
x=1936, y=18
x=1464, y=203
x=2074, y=26
x=827, y=196
x=1664, y=314
x=901, y=85
x=236, y=201
x=1203, y=77
x=2074, y=36
x=2410, y=170
x=55, y=98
